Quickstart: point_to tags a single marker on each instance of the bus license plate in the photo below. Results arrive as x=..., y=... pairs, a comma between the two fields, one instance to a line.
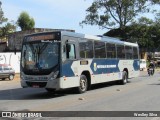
x=35, y=86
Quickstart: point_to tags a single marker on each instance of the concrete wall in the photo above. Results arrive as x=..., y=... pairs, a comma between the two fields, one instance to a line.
x=12, y=59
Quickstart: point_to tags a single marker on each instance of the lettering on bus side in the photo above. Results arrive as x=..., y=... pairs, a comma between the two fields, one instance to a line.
x=104, y=66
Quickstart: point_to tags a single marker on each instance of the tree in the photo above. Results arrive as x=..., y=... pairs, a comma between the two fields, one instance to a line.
x=2, y=18
x=115, y=13
x=6, y=29
x=5, y=26
x=145, y=32
x=25, y=22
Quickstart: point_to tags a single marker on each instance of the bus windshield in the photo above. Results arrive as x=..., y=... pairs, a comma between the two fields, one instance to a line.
x=40, y=57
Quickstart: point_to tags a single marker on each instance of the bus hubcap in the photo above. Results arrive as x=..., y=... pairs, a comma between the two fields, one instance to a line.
x=83, y=84
x=125, y=79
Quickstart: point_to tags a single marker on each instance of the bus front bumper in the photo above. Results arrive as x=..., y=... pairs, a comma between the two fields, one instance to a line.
x=54, y=84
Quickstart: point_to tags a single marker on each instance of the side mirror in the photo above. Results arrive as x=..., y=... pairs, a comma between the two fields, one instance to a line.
x=24, y=53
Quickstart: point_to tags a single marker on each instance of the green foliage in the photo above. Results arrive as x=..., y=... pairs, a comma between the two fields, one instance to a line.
x=6, y=29
x=5, y=26
x=25, y=22
x=121, y=14
x=115, y=13
x=2, y=18
x=146, y=32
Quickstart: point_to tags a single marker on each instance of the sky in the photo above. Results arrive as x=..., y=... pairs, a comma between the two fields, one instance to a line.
x=54, y=14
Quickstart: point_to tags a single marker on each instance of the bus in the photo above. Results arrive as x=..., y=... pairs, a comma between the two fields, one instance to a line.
x=60, y=60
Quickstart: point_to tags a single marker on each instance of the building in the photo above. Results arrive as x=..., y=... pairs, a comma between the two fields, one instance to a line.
x=3, y=46
x=15, y=39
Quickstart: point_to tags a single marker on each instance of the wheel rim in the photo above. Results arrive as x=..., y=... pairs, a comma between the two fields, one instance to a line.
x=125, y=78
x=83, y=84
x=11, y=77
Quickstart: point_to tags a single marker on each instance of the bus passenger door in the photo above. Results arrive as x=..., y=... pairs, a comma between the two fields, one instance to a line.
x=69, y=62
x=70, y=48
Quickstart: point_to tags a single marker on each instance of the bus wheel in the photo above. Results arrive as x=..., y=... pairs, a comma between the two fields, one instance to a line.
x=50, y=90
x=83, y=84
x=124, y=78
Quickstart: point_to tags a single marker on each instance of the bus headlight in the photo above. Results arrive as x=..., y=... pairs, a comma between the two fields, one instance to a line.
x=54, y=75
x=22, y=76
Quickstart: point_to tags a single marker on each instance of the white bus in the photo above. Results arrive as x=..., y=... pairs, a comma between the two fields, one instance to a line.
x=59, y=60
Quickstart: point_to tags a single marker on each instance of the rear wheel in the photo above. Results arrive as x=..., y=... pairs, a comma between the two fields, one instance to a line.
x=152, y=72
x=11, y=77
x=124, y=78
x=149, y=72
x=83, y=84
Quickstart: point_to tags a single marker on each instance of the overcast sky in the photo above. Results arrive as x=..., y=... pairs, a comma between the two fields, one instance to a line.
x=56, y=14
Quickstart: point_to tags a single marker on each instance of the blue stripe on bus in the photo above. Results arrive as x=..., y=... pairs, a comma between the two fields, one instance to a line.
x=67, y=71
x=99, y=66
x=136, y=65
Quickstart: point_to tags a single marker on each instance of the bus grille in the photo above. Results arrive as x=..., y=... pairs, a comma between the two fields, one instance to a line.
x=40, y=84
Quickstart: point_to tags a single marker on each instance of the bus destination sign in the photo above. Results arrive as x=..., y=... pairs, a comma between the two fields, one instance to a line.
x=40, y=37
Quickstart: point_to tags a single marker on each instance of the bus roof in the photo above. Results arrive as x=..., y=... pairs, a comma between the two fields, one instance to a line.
x=99, y=38
x=93, y=37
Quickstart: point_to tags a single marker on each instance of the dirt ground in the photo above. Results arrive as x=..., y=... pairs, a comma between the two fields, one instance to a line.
x=17, y=76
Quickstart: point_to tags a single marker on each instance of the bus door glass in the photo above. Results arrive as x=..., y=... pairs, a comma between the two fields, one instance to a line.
x=70, y=51
x=70, y=48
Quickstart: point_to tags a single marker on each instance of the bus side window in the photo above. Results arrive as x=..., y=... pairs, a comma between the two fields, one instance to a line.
x=86, y=48
x=135, y=52
x=70, y=51
x=111, y=50
x=129, y=52
x=120, y=52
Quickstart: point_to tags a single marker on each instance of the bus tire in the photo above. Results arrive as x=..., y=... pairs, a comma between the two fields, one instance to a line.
x=124, y=78
x=50, y=90
x=83, y=84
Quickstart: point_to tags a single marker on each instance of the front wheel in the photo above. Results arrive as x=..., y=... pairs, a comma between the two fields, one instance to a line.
x=152, y=73
x=83, y=84
x=149, y=72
